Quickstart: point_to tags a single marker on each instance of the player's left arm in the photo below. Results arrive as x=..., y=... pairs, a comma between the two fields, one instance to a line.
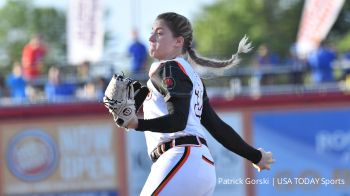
x=230, y=139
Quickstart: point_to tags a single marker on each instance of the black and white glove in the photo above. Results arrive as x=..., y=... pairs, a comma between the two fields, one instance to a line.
x=119, y=99
x=123, y=98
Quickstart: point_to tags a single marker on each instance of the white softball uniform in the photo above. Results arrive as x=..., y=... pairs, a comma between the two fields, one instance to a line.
x=182, y=170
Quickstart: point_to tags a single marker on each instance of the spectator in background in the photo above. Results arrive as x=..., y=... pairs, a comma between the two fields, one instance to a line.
x=32, y=57
x=297, y=64
x=320, y=62
x=346, y=67
x=56, y=89
x=100, y=86
x=16, y=84
x=345, y=78
x=264, y=58
x=138, y=54
x=2, y=87
x=93, y=90
x=83, y=71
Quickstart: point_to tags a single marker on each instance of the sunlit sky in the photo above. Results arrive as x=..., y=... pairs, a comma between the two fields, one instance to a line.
x=124, y=15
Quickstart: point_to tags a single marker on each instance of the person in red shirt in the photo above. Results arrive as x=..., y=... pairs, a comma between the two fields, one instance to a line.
x=32, y=56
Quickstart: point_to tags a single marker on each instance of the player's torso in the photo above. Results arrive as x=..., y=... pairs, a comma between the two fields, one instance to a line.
x=155, y=106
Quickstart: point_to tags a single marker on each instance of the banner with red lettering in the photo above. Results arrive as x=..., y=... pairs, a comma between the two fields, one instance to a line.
x=317, y=19
x=85, y=31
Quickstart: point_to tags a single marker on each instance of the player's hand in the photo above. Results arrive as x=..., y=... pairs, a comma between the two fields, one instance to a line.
x=265, y=162
x=134, y=122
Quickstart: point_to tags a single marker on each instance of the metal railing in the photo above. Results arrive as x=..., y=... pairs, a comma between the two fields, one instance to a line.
x=240, y=81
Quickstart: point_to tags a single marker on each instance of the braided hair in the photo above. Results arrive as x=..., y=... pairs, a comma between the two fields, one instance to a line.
x=180, y=26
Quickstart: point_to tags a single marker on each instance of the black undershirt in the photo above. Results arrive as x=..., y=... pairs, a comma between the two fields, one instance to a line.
x=178, y=111
x=177, y=118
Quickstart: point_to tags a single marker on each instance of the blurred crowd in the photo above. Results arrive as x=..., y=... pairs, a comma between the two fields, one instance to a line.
x=32, y=81
x=28, y=81
x=323, y=66
x=55, y=86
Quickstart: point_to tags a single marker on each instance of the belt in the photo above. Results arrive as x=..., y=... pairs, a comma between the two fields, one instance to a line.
x=162, y=148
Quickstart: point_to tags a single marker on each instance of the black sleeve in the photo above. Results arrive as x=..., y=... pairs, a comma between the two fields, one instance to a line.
x=176, y=87
x=175, y=121
x=225, y=134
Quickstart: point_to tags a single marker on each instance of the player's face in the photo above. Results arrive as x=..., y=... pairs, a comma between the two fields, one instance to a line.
x=162, y=44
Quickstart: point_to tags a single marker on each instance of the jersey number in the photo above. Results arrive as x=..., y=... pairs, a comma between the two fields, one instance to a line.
x=198, y=106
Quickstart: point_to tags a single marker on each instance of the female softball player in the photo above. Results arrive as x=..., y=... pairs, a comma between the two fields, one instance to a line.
x=174, y=111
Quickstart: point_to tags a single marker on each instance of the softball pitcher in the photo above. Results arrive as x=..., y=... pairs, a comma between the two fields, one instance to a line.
x=175, y=109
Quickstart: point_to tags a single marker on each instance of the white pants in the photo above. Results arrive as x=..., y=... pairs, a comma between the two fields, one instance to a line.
x=185, y=170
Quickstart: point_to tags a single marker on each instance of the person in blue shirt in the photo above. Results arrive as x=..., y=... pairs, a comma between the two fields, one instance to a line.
x=138, y=54
x=346, y=71
x=265, y=58
x=56, y=89
x=16, y=84
x=320, y=62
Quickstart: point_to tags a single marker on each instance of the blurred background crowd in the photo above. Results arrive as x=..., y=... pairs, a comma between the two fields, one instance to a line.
x=35, y=62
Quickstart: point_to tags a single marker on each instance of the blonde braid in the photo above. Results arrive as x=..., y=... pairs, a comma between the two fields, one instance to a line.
x=243, y=47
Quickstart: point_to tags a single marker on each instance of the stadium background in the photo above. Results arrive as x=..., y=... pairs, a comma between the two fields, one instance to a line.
x=71, y=146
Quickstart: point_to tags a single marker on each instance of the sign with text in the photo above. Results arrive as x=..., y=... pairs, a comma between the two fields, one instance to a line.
x=317, y=20
x=46, y=156
x=85, y=31
x=311, y=148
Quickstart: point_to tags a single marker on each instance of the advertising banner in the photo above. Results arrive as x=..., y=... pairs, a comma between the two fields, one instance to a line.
x=317, y=19
x=85, y=31
x=61, y=157
x=311, y=149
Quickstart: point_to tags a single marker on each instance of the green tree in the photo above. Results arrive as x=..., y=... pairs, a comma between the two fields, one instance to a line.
x=274, y=22
x=51, y=24
x=220, y=26
x=340, y=33
x=20, y=20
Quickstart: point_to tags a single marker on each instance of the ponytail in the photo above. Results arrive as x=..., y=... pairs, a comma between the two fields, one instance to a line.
x=243, y=47
x=180, y=26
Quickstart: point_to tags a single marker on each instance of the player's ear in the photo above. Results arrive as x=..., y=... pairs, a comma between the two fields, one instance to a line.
x=180, y=41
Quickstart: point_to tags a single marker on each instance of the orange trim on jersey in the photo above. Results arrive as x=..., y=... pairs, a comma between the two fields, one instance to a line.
x=207, y=160
x=182, y=68
x=172, y=173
